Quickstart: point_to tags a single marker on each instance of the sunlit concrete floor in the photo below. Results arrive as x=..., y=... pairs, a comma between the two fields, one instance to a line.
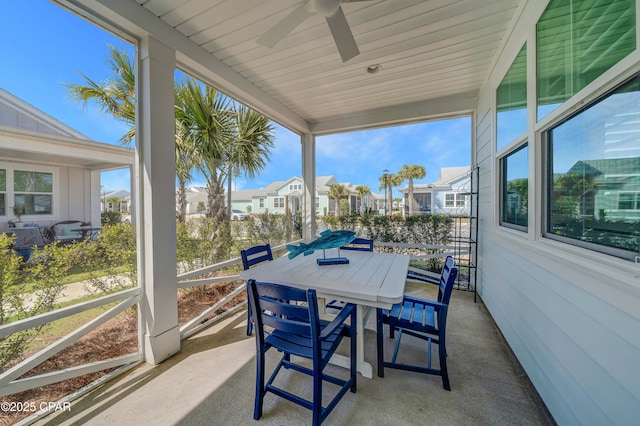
x=211, y=382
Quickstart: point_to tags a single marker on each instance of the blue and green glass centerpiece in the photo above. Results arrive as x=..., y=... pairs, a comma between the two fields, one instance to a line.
x=328, y=239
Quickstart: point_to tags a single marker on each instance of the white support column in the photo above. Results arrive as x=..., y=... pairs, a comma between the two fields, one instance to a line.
x=133, y=190
x=95, y=213
x=155, y=201
x=309, y=178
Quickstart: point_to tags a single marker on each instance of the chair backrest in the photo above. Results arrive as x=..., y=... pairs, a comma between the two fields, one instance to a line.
x=255, y=255
x=277, y=307
x=447, y=278
x=360, y=244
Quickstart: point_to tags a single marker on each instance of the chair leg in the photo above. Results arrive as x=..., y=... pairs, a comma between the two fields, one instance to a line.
x=380, y=342
x=442, y=350
x=249, y=320
x=259, y=398
x=317, y=396
x=354, y=352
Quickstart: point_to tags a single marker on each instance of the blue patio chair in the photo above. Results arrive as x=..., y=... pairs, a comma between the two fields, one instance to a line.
x=424, y=319
x=253, y=256
x=359, y=244
x=294, y=328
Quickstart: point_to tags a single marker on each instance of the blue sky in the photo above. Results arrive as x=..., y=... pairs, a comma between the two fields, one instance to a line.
x=58, y=45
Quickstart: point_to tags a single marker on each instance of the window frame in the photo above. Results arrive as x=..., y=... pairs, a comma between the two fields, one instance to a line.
x=546, y=161
x=502, y=168
x=9, y=193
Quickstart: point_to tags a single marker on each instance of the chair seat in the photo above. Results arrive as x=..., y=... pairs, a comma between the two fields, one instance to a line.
x=424, y=319
x=303, y=346
x=417, y=313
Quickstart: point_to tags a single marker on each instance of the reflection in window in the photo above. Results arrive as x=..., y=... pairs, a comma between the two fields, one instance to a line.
x=577, y=41
x=514, y=188
x=594, y=174
x=511, y=101
x=33, y=191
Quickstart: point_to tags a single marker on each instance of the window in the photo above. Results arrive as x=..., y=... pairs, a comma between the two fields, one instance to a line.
x=3, y=191
x=511, y=101
x=629, y=201
x=317, y=203
x=577, y=41
x=452, y=200
x=33, y=191
x=449, y=200
x=261, y=202
x=593, y=174
x=514, y=189
x=278, y=202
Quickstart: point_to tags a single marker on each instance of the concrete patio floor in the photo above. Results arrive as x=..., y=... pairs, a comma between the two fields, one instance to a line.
x=211, y=382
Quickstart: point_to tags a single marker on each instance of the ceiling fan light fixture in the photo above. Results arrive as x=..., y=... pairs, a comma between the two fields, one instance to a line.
x=372, y=69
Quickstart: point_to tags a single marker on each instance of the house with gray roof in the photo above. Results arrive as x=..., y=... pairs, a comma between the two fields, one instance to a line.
x=448, y=195
x=50, y=169
x=285, y=196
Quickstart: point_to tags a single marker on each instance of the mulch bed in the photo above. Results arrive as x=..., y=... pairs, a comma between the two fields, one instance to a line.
x=117, y=337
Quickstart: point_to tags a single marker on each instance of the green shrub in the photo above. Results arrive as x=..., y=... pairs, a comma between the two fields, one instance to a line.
x=110, y=218
x=431, y=229
x=28, y=289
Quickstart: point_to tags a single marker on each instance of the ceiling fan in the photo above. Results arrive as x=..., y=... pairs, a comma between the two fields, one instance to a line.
x=332, y=11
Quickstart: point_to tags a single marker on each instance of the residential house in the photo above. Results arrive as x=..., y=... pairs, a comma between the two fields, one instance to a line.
x=49, y=168
x=285, y=196
x=613, y=189
x=448, y=195
x=116, y=201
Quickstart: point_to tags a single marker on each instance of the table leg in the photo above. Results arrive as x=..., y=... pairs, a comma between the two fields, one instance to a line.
x=364, y=368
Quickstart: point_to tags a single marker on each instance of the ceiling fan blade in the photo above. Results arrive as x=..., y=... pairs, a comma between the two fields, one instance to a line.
x=284, y=27
x=343, y=36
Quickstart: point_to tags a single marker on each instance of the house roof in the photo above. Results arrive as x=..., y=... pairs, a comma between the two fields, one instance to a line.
x=16, y=113
x=609, y=166
x=434, y=55
x=448, y=176
x=29, y=135
x=322, y=187
x=120, y=193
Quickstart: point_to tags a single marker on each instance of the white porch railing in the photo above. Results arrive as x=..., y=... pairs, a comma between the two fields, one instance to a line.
x=9, y=382
x=184, y=280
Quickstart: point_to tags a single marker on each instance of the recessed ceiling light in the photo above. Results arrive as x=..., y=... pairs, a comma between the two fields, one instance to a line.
x=372, y=69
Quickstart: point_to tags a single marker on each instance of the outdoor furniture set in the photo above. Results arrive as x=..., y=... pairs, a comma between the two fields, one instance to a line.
x=283, y=308
x=28, y=235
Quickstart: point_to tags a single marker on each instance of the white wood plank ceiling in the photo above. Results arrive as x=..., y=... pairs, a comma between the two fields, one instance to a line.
x=431, y=52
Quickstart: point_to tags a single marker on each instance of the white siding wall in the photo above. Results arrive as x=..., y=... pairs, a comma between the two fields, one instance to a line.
x=571, y=316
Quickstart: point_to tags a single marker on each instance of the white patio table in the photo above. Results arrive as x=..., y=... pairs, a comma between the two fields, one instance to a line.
x=370, y=280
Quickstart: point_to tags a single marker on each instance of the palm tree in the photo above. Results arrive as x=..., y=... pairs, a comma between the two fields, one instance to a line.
x=337, y=192
x=388, y=181
x=411, y=172
x=362, y=191
x=187, y=158
x=204, y=119
x=115, y=95
x=248, y=150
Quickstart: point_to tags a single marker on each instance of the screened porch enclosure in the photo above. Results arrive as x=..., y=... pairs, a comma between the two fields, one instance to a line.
x=565, y=304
